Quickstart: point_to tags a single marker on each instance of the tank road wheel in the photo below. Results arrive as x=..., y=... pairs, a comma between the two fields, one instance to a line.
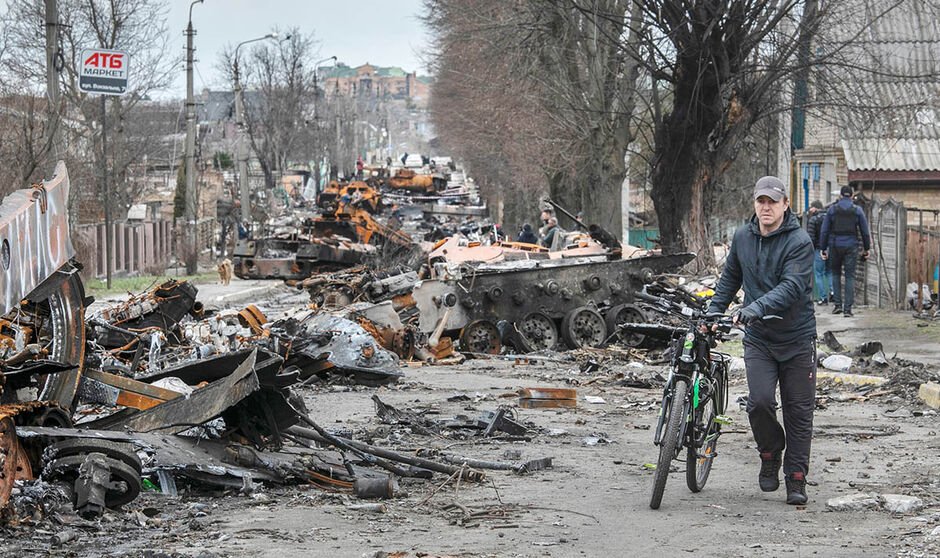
x=76, y=446
x=583, y=327
x=625, y=314
x=66, y=338
x=481, y=336
x=537, y=332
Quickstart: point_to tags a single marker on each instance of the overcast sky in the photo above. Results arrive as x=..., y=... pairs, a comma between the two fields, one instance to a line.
x=381, y=32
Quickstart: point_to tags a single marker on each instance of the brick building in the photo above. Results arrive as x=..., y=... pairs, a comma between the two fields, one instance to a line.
x=374, y=81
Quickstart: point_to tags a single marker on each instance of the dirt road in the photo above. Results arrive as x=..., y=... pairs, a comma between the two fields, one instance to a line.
x=593, y=502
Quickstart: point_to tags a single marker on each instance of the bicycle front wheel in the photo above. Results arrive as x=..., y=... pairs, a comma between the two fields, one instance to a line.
x=698, y=461
x=669, y=445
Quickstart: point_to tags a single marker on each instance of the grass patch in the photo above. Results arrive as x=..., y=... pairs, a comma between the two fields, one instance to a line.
x=121, y=285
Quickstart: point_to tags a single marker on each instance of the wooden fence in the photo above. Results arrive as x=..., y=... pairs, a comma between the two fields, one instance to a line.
x=880, y=281
x=923, y=247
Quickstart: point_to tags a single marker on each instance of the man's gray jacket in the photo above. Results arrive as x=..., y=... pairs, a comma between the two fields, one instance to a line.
x=777, y=274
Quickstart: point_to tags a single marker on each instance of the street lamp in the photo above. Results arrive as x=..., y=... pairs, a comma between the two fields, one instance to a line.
x=190, y=243
x=316, y=121
x=244, y=193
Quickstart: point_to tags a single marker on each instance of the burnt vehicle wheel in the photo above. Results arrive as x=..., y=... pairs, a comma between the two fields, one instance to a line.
x=481, y=336
x=121, y=488
x=122, y=452
x=537, y=332
x=625, y=314
x=583, y=327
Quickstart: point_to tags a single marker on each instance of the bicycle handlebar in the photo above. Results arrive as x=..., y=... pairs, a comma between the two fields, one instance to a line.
x=723, y=321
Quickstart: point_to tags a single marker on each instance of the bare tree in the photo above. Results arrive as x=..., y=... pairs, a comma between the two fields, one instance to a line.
x=136, y=26
x=551, y=76
x=278, y=113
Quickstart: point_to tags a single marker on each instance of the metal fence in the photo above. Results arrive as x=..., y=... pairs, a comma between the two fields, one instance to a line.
x=139, y=248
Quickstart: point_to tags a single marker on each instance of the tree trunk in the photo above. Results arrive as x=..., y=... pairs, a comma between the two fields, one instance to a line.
x=678, y=196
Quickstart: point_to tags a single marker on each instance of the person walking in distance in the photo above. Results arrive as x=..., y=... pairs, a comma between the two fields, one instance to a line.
x=772, y=258
x=843, y=224
x=821, y=274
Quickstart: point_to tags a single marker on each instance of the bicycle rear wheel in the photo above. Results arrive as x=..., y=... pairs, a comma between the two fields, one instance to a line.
x=668, y=446
x=699, y=457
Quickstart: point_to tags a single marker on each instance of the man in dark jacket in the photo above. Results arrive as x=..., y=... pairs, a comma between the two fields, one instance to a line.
x=772, y=258
x=841, y=228
x=821, y=274
x=527, y=235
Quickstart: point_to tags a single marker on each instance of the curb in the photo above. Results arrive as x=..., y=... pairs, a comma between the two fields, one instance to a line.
x=850, y=379
x=930, y=394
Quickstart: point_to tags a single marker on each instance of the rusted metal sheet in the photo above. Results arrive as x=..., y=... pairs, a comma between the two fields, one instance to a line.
x=537, y=398
x=34, y=237
x=202, y=405
x=131, y=393
x=14, y=464
x=253, y=319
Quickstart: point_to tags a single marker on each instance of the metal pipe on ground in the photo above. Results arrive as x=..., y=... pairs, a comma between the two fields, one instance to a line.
x=468, y=474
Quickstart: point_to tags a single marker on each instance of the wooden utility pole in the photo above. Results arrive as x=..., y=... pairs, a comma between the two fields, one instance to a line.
x=54, y=144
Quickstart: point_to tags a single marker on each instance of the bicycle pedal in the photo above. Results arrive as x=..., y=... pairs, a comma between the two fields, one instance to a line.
x=724, y=420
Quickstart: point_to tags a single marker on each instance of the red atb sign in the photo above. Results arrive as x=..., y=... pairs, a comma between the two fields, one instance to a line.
x=104, y=72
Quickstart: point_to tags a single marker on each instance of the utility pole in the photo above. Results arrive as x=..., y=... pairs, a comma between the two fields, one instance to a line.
x=52, y=82
x=242, y=148
x=190, y=241
x=318, y=145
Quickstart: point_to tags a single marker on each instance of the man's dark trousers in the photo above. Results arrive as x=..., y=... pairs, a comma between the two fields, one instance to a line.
x=844, y=258
x=794, y=366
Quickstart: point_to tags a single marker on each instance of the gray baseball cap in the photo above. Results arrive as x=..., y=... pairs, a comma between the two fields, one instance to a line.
x=770, y=186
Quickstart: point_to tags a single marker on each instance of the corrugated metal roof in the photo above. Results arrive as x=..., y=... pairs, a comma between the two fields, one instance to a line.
x=892, y=122
x=892, y=154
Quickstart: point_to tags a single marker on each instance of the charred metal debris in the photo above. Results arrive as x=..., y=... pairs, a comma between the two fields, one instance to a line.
x=159, y=393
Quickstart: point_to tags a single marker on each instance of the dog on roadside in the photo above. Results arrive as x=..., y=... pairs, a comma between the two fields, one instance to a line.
x=226, y=270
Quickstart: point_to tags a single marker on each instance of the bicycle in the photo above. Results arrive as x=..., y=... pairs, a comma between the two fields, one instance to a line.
x=694, y=398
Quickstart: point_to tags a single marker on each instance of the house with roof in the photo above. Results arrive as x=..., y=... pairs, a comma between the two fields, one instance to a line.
x=883, y=135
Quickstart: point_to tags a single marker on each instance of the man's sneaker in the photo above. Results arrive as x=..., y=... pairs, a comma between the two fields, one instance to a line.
x=847, y=314
x=837, y=310
x=769, y=477
x=796, y=489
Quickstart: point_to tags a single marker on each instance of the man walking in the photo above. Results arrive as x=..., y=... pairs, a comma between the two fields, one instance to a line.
x=821, y=274
x=844, y=222
x=772, y=258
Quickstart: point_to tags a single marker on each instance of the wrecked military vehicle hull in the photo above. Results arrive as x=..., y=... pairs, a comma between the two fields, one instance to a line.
x=274, y=258
x=536, y=305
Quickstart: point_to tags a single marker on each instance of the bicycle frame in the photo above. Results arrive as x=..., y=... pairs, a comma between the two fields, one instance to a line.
x=698, y=366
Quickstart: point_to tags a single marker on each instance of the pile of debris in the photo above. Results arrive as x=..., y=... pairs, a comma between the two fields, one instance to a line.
x=870, y=371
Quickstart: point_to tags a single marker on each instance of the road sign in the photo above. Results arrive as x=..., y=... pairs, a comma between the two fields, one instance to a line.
x=104, y=71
